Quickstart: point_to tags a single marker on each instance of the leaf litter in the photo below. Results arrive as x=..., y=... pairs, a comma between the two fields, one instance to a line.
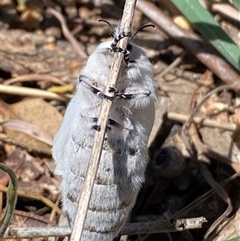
x=176, y=186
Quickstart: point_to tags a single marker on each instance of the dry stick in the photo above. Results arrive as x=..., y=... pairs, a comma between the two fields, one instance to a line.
x=16, y=90
x=33, y=216
x=192, y=42
x=34, y=196
x=34, y=77
x=209, y=123
x=35, y=232
x=157, y=226
x=202, y=198
x=175, y=63
x=209, y=179
x=54, y=212
x=163, y=226
x=77, y=46
x=226, y=10
x=196, y=109
x=227, y=126
x=102, y=122
x=188, y=75
x=189, y=126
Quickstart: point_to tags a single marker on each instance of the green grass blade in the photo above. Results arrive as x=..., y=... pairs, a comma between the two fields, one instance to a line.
x=235, y=239
x=210, y=29
x=11, y=198
x=237, y=5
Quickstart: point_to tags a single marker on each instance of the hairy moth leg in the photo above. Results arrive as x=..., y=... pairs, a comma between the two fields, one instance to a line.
x=111, y=123
x=85, y=81
x=116, y=49
x=128, y=94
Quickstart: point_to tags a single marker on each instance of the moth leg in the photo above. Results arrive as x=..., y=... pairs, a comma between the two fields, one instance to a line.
x=116, y=49
x=111, y=122
x=83, y=79
x=117, y=38
x=130, y=93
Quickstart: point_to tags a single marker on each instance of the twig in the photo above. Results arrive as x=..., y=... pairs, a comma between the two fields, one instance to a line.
x=54, y=211
x=158, y=226
x=188, y=75
x=34, y=232
x=209, y=179
x=16, y=90
x=35, y=196
x=34, y=77
x=203, y=197
x=226, y=10
x=68, y=35
x=163, y=226
x=102, y=122
x=175, y=63
x=33, y=216
x=204, y=150
x=197, y=108
x=193, y=42
x=202, y=157
x=202, y=121
x=11, y=198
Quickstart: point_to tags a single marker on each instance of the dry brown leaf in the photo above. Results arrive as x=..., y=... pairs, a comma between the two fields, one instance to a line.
x=6, y=112
x=229, y=230
x=39, y=113
x=29, y=129
x=236, y=137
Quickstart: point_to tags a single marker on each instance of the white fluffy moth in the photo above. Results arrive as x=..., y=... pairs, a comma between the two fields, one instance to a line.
x=124, y=156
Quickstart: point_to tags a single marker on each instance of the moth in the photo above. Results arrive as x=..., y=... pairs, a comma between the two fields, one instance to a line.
x=124, y=155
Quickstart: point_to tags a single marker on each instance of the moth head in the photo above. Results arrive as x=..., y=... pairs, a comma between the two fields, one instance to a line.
x=117, y=31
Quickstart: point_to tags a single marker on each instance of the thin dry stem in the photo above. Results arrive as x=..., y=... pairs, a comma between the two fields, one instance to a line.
x=175, y=63
x=79, y=48
x=202, y=198
x=158, y=226
x=32, y=77
x=102, y=122
x=24, y=91
x=196, y=110
x=226, y=10
x=227, y=126
x=35, y=196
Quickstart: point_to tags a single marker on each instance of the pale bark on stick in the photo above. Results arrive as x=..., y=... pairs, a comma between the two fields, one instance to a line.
x=157, y=226
x=25, y=91
x=84, y=200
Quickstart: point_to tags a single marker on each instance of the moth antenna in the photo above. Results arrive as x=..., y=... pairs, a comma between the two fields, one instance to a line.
x=141, y=28
x=112, y=26
x=105, y=21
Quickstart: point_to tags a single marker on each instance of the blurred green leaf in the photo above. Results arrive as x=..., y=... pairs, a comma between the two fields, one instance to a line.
x=11, y=198
x=210, y=29
x=237, y=4
x=235, y=239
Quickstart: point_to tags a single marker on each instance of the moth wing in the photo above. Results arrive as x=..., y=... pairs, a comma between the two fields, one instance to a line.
x=62, y=146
